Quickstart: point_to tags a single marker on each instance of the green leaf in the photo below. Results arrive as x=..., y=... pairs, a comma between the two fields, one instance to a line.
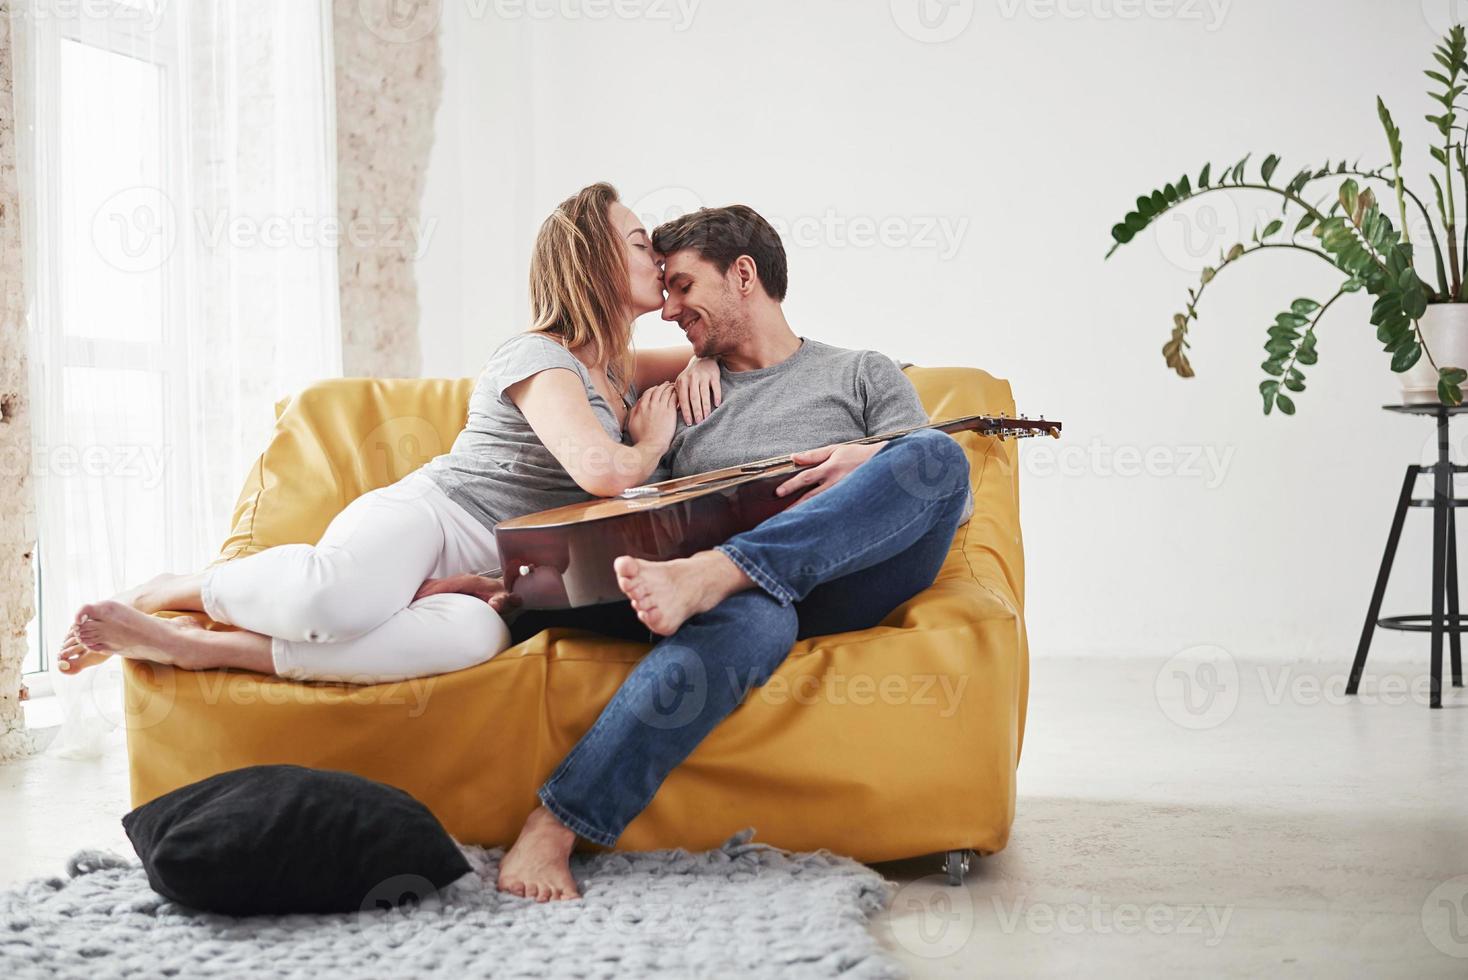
x=1267, y=169
x=1121, y=233
x=1406, y=357
x=1285, y=404
x=1203, y=175
x=1304, y=306
x=1449, y=394
x=1272, y=366
x=1272, y=227
x=1305, y=222
x=1349, y=192
x=1268, y=387
x=1235, y=252
x=1452, y=375
x=1294, y=384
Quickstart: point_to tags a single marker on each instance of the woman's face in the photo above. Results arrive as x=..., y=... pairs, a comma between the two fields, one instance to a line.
x=644, y=266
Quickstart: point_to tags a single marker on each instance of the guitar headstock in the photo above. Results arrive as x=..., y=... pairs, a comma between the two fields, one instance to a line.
x=1004, y=427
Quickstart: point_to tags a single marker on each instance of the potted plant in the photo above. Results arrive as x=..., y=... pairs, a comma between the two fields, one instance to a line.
x=1421, y=320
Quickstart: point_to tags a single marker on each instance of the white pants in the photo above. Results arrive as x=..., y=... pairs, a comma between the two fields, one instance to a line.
x=343, y=609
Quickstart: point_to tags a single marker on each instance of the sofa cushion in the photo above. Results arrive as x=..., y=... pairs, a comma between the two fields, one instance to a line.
x=282, y=839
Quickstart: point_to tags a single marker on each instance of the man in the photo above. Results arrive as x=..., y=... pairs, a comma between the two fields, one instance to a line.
x=870, y=531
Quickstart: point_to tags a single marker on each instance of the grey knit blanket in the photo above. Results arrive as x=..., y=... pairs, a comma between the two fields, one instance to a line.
x=742, y=910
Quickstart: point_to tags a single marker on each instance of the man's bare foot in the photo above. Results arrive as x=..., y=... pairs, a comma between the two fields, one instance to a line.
x=114, y=627
x=539, y=865
x=666, y=593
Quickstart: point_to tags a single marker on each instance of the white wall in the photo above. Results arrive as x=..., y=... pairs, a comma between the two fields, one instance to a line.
x=1029, y=134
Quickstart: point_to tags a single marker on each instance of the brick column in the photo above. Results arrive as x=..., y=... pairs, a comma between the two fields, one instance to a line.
x=389, y=80
x=17, y=507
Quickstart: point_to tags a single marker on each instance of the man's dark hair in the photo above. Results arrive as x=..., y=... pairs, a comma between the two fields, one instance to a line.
x=721, y=235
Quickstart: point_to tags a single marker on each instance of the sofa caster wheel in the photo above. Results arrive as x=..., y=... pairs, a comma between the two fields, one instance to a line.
x=955, y=863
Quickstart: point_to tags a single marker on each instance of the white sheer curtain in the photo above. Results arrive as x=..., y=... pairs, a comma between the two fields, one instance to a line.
x=178, y=163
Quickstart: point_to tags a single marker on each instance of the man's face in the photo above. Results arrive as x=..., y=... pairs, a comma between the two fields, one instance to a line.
x=703, y=302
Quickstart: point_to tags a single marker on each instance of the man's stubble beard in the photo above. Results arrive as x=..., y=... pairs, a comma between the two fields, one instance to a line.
x=727, y=333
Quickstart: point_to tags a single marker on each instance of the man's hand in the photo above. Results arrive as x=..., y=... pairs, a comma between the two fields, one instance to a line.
x=835, y=462
x=490, y=590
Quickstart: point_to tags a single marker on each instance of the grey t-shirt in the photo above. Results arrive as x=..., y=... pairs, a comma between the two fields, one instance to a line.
x=498, y=468
x=816, y=396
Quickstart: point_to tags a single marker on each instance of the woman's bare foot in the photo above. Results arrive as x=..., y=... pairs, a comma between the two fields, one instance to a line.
x=114, y=627
x=75, y=657
x=166, y=591
x=539, y=865
x=666, y=593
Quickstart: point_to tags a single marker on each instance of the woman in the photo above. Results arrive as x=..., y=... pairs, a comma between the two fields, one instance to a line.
x=546, y=423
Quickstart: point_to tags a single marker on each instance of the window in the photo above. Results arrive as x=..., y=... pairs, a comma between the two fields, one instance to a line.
x=107, y=333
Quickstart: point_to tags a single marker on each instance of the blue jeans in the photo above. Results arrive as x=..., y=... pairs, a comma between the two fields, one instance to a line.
x=840, y=561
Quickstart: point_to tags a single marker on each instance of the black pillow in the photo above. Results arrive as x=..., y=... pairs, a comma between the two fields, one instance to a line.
x=282, y=839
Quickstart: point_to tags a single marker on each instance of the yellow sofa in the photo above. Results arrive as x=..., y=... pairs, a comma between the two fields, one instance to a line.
x=890, y=742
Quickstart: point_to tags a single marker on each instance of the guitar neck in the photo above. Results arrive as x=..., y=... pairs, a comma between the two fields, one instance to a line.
x=1000, y=426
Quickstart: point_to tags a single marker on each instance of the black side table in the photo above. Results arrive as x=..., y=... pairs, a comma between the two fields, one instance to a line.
x=1444, y=560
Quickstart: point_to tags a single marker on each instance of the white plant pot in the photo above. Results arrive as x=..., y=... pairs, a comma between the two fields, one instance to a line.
x=1445, y=329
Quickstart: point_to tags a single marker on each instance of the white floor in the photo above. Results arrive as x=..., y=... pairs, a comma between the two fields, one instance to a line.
x=1258, y=824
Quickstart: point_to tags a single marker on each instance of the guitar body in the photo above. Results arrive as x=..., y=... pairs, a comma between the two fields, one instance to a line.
x=562, y=558
x=572, y=561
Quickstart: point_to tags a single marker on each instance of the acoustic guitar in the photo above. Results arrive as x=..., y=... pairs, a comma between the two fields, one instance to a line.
x=561, y=558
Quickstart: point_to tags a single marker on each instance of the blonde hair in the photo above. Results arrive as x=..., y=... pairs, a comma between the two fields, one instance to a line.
x=578, y=281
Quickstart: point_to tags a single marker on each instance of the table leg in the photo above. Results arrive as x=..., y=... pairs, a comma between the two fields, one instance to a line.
x=1373, y=610
x=1456, y=641
x=1442, y=487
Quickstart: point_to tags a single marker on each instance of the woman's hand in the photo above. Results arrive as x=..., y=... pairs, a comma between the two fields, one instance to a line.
x=653, y=419
x=490, y=590
x=698, y=389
